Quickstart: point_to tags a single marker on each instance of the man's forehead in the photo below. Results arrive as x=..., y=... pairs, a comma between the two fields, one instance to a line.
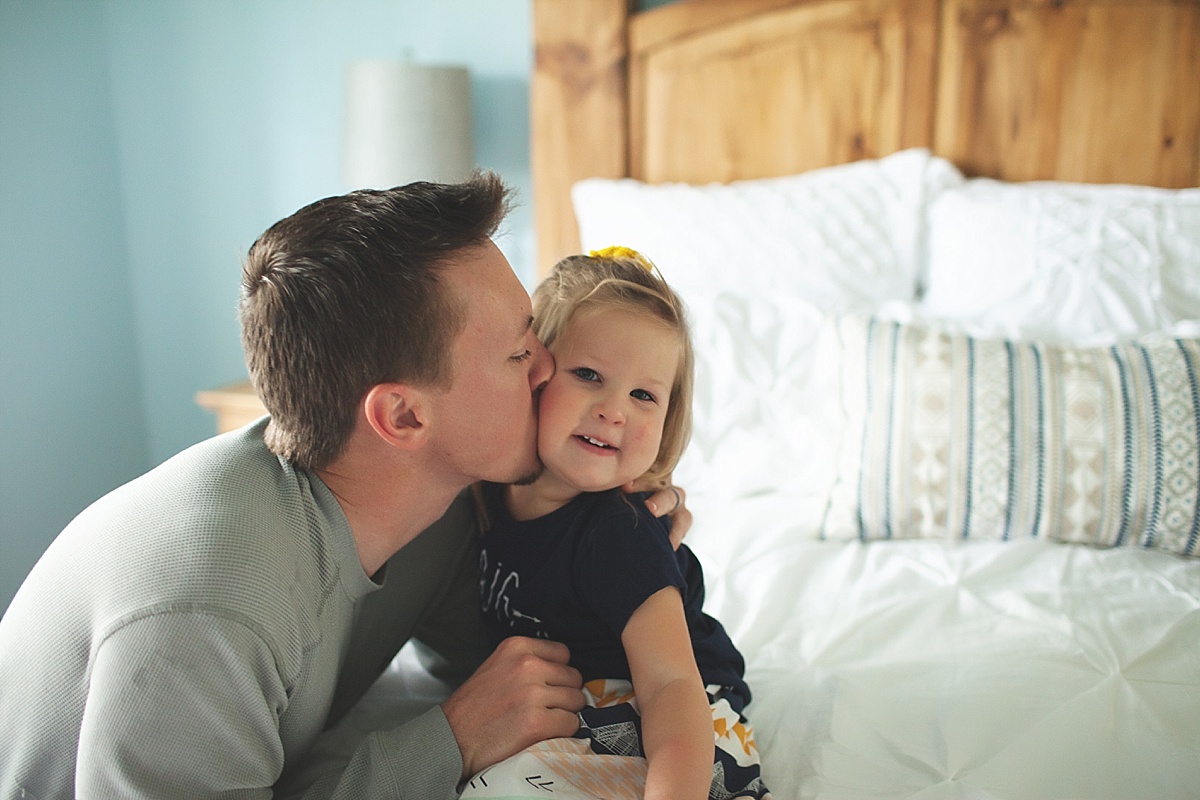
x=484, y=267
x=491, y=291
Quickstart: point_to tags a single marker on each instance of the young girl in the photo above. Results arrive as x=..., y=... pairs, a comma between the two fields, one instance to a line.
x=570, y=558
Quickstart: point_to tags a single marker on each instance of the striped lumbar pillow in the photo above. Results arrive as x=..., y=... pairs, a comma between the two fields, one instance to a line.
x=959, y=437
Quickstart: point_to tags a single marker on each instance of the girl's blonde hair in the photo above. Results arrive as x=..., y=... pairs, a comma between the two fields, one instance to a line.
x=619, y=278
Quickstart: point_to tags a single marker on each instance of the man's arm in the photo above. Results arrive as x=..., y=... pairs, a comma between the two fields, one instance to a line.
x=181, y=706
x=418, y=759
x=188, y=706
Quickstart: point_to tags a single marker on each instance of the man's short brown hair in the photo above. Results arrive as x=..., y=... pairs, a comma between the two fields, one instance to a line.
x=345, y=294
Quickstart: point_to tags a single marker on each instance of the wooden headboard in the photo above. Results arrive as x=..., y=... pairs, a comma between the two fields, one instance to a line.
x=1097, y=91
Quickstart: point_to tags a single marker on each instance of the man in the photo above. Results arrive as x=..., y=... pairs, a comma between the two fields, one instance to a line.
x=191, y=633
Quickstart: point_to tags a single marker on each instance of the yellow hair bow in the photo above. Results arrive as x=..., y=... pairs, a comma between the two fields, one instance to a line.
x=625, y=253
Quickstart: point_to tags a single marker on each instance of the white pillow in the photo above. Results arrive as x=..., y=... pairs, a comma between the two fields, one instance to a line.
x=955, y=437
x=1061, y=262
x=842, y=237
x=767, y=413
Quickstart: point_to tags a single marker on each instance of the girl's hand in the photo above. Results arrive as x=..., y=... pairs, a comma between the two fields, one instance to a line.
x=671, y=502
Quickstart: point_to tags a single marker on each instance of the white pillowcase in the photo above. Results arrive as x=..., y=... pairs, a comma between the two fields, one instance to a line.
x=955, y=437
x=767, y=413
x=843, y=237
x=1062, y=262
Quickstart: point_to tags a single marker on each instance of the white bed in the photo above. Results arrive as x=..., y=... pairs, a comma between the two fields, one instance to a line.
x=899, y=642
x=939, y=662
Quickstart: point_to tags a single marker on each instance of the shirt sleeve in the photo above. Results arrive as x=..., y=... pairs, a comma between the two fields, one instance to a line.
x=623, y=557
x=181, y=706
x=419, y=759
x=187, y=705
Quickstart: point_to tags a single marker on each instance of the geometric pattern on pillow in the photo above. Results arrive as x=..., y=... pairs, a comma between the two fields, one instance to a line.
x=953, y=436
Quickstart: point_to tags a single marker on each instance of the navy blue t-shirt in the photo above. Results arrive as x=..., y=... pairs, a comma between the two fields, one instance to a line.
x=577, y=574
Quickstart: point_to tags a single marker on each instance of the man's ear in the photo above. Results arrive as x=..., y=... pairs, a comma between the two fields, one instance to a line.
x=398, y=412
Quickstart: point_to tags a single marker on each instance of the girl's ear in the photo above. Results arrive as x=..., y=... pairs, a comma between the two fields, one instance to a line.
x=397, y=412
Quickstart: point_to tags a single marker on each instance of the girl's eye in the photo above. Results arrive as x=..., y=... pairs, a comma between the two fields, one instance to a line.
x=585, y=374
x=524, y=355
x=642, y=394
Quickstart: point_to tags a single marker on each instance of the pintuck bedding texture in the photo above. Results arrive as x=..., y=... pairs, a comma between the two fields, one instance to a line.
x=944, y=471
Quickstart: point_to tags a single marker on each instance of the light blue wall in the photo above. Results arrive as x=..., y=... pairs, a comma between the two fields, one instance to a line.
x=229, y=117
x=143, y=145
x=71, y=421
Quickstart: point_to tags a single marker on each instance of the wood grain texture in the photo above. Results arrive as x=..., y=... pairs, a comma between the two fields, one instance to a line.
x=1097, y=92
x=660, y=26
x=235, y=405
x=802, y=86
x=579, y=125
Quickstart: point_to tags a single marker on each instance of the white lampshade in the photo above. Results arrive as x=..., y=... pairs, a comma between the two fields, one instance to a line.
x=406, y=122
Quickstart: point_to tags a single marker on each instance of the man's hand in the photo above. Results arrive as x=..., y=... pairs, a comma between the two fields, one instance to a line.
x=671, y=501
x=525, y=692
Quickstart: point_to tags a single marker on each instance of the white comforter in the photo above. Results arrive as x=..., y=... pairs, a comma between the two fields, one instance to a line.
x=984, y=670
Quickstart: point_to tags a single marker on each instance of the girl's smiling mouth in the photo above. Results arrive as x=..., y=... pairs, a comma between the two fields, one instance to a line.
x=594, y=442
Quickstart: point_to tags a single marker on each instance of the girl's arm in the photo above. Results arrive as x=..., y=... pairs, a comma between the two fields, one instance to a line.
x=677, y=731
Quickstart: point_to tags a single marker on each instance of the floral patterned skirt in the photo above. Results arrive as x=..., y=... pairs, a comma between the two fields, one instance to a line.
x=605, y=758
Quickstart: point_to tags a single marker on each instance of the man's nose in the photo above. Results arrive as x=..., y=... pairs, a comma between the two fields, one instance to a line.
x=542, y=369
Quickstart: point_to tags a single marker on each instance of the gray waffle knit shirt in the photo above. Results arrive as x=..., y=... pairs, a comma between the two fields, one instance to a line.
x=194, y=631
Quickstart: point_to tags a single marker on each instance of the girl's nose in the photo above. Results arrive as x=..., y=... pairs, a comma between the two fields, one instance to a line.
x=609, y=410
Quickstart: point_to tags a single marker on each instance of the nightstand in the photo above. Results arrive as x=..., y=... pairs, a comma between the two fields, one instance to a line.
x=235, y=405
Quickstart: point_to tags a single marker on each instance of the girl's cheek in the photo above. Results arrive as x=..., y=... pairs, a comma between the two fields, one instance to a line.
x=548, y=397
x=649, y=434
